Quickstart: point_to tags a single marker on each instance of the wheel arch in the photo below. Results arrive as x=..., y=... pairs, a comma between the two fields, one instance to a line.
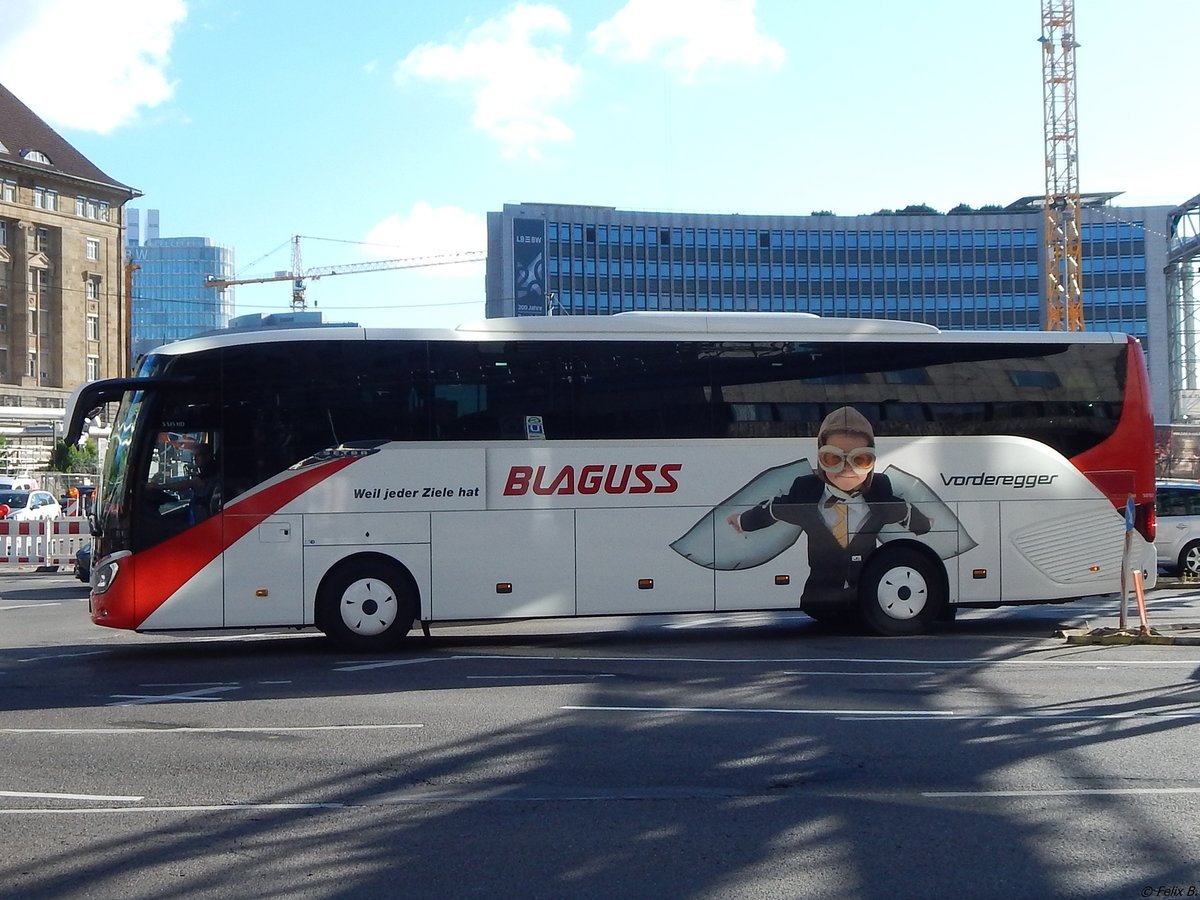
x=874, y=604
x=368, y=558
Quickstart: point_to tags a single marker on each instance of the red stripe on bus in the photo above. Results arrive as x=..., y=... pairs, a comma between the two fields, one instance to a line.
x=162, y=570
x=1123, y=463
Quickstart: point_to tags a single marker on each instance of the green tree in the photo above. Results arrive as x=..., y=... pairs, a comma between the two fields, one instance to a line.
x=67, y=458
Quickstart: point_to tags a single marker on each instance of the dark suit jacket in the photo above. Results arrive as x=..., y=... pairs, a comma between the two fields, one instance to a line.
x=834, y=569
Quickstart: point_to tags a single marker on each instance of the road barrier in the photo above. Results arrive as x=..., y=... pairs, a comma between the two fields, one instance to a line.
x=44, y=542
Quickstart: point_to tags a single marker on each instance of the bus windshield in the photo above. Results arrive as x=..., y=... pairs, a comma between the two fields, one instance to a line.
x=112, y=489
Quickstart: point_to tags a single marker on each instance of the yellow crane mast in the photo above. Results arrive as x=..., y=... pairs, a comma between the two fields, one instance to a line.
x=1064, y=286
x=299, y=275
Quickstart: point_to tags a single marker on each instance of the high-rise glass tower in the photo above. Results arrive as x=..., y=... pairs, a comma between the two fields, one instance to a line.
x=170, y=298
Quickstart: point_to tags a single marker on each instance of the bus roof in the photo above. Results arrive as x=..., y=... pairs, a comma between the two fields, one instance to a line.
x=642, y=326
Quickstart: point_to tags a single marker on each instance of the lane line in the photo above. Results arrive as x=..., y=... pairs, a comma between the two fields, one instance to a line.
x=197, y=729
x=576, y=677
x=853, y=713
x=857, y=674
x=61, y=656
x=388, y=663
x=894, y=714
x=198, y=695
x=796, y=661
x=216, y=807
x=32, y=605
x=1074, y=792
x=50, y=796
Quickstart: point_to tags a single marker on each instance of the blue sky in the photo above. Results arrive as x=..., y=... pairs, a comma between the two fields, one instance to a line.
x=389, y=130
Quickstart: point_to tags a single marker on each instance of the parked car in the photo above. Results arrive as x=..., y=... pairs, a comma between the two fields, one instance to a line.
x=17, y=483
x=1177, y=537
x=83, y=564
x=29, y=505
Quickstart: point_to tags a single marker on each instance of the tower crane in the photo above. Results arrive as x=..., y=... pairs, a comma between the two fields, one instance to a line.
x=1064, y=288
x=299, y=275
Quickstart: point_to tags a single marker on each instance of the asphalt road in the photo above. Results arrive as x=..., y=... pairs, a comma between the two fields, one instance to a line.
x=739, y=756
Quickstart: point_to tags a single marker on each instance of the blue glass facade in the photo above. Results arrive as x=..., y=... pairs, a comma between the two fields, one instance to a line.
x=170, y=299
x=976, y=270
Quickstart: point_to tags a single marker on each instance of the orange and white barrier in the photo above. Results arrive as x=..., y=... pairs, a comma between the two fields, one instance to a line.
x=46, y=542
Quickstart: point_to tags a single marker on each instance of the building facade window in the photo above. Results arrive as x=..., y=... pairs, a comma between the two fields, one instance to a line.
x=8, y=191
x=31, y=365
x=45, y=198
x=92, y=248
x=93, y=327
x=93, y=368
x=43, y=240
x=92, y=287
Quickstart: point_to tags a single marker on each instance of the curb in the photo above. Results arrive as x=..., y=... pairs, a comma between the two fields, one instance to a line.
x=1183, y=635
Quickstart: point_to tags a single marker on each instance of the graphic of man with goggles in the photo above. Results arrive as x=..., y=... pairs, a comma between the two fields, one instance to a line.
x=841, y=508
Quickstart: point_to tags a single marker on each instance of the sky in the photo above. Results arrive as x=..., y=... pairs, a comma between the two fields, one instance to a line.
x=390, y=130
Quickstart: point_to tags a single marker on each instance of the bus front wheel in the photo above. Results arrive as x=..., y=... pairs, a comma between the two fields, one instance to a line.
x=366, y=605
x=900, y=592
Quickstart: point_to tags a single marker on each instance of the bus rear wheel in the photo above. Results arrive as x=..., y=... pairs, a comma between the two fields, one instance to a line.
x=900, y=592
x=366, y=605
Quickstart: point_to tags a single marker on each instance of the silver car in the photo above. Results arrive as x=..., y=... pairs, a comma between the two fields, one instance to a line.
x=1177, y=537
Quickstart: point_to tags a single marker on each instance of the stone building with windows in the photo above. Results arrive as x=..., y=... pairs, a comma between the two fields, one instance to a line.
x=62, y=279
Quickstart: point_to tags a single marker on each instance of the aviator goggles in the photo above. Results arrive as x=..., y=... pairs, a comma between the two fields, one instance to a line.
x=835, y=459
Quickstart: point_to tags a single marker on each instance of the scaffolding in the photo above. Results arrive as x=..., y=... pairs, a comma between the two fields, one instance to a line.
x=1183, y=271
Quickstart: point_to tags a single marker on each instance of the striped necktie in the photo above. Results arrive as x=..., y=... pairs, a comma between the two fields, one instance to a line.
x=840, y=527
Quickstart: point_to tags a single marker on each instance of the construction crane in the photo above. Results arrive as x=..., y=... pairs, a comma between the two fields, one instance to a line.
x=1064, y=285
x=299, y=275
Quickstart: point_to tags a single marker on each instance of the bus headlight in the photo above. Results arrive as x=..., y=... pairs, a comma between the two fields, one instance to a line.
x=104, y=576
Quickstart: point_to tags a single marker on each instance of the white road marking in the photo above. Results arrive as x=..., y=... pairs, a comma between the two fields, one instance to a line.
x=1091, y=662
x=1080, y=792
x=574, y=677
x=200, y=694
x=856, y=674
x=49, y=796
x=216, y=807
x=388, y=663
x=31, y=605
x=887, y=714
x=901, y=713
x=200, y=729
x=61, y=656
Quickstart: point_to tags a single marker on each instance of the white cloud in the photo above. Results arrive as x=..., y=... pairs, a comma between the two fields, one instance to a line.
x=429, y=231
x=687, y=35
x=515, y=73
x=87, y=65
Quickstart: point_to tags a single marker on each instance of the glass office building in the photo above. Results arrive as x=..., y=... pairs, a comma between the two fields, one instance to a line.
x=170, y=299
x=962, y=270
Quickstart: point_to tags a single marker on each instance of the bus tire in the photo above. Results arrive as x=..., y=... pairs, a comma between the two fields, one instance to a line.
x=901, y=592
x=366, y=605
x=1189, y=561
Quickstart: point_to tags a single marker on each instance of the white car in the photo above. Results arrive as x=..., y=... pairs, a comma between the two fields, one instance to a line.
x=27, y=505
x=1177, y=536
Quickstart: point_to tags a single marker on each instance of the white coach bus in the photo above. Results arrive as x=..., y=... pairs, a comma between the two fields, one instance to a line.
x=359, y=480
